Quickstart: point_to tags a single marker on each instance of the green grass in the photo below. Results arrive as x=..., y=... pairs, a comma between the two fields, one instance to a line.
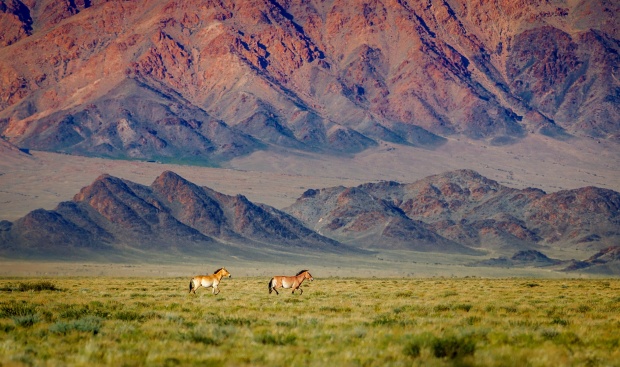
x=93, y=321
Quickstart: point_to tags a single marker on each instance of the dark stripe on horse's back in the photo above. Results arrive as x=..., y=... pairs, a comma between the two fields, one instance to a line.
x=300, y=272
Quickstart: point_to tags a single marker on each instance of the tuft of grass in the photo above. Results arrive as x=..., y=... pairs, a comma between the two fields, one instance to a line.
x=128, y=316
x=229, y=320
x=583, y=308
x=269, y=338
x=202, y=337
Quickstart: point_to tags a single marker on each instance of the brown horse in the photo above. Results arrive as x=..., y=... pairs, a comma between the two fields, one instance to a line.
x=208, y=280
x=294, y=282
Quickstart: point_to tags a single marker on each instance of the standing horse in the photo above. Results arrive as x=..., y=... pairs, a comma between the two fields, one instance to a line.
x=208, y=280
x=294, y=282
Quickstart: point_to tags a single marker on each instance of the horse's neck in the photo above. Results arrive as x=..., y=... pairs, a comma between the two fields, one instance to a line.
x=300, y=278
x=218, y=276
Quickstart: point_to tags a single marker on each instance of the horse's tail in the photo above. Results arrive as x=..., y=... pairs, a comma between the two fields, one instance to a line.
x=191, y=285
x=269, y=285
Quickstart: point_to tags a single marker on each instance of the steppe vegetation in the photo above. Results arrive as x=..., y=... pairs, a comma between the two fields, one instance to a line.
x=87, y=321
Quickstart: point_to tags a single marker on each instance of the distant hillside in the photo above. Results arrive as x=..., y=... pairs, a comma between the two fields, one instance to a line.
x=462, y=207
x=606, y=261
x=114, y=217
x=523, y=258
x=204, y=82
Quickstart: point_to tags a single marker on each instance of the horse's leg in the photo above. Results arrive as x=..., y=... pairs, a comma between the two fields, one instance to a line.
x=301, y=291
x=196, y=286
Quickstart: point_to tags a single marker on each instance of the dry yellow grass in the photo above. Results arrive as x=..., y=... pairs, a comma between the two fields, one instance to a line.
x=337, y=321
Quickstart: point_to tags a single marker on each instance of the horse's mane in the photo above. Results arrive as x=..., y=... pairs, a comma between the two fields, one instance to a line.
x=303, y=271
x=215, y=272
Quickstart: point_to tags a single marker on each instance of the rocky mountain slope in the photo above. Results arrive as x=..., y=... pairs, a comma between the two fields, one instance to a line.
x=462, y=207
x=113, y=216
x=205, y=82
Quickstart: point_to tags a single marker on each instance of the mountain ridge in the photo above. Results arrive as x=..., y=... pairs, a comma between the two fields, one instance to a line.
x=335, y=78
x=460, y=214
x=470, y=209
x=115, y=216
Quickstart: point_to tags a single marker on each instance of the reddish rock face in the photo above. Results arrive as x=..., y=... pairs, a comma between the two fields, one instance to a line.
x=107, y=78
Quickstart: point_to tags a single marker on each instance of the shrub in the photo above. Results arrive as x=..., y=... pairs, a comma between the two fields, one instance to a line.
x=6, y=328
x=412, y=349
x=72, y=311
x=14, y=309
x=89, y=324
x=34, y=286
x=453, y=347
x=26, y=321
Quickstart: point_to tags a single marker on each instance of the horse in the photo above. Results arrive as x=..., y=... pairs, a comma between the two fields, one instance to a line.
x=294, y=282
x=208, y=281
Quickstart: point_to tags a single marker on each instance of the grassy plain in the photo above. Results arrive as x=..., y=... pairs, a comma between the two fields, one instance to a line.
x=86, y=321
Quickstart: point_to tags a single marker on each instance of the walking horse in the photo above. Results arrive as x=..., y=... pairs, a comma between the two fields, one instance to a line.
x=207, y=281
x=294, y=282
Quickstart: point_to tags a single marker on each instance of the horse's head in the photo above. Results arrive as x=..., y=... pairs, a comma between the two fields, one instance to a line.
x=305, y=274
x=223, y=272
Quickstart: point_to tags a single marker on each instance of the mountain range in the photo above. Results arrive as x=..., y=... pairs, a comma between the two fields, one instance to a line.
x=113, y=218
x=462, y=209
x=207, y=81
x=458, y=213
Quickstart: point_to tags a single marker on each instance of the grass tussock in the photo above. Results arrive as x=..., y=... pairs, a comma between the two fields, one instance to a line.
x=352, y=322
